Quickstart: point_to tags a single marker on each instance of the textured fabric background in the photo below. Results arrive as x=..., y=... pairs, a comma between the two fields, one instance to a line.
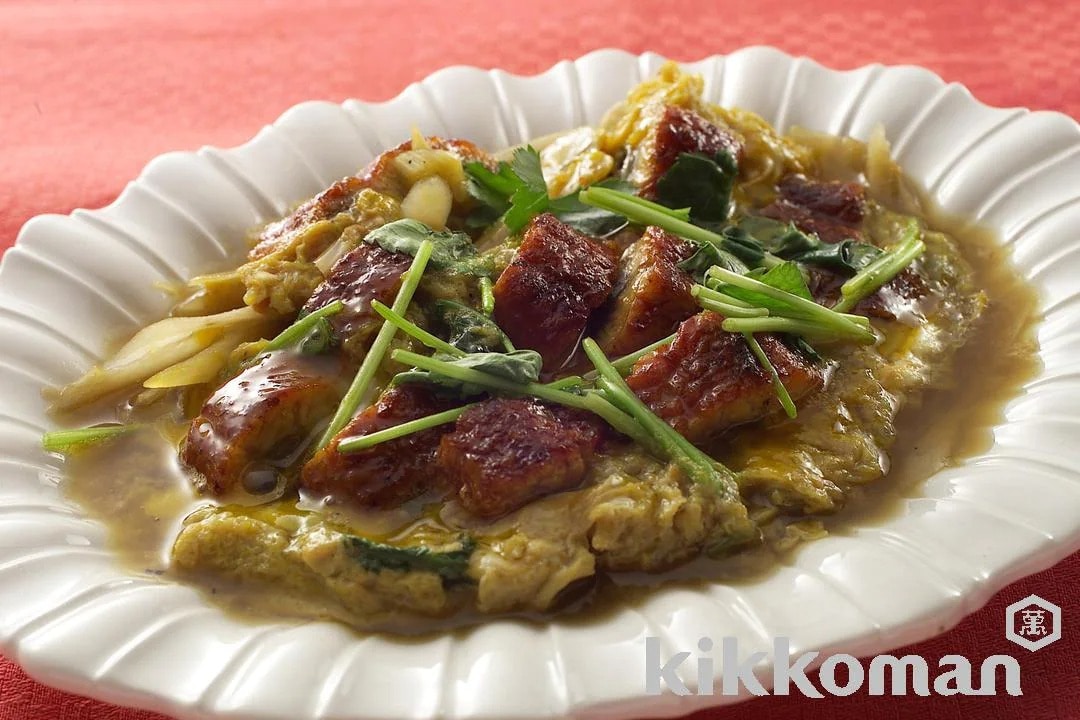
x=90, y=91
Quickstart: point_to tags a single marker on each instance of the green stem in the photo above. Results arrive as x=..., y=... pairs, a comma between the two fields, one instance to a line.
x=778, y=385
x=803, y=328
x=643, y=203
x=363, y=442
x=415, y=331
x=301, y=328
x=698, y=466
x=707, y=292
x=487, y=296
x=729, y=310
x=883, y=269
x=607, y=411
x=64, y=442
x=644, y=212
x=666, y=446
x=567, y=382
x=799, y=308
x=483, y=379
x=621, y=421
x=355, y=395
x=626, y=363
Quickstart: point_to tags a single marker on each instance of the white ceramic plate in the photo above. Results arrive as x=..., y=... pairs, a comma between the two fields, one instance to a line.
x=74, y=619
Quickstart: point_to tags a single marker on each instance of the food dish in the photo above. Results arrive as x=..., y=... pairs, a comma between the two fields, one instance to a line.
x=450, y=386
x=733, y=75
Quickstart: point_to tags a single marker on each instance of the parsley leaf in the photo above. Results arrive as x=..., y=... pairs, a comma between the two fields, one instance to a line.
x=527, y=168
x=779, y=238
x=785, y=276
x=517, y=193
x=589, y=219
x=743, y=246
x=469, y=330
x=701, y=183
x=489, y=188
x=706, y=256
x=524, y=206
x=845, y=256
x=790, y=243
x=451, y=250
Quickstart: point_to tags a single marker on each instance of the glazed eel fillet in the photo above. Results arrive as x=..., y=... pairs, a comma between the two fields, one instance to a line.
x=452, y=381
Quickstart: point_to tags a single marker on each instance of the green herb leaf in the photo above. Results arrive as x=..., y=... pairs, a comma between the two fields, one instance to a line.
x=519, y=366
x=451, y=565
x=587, y=218
x=526, y=167
x=708, y=255
x=846, y=256
x=524, y=206
x=491, y=189
x=789, y=278
x=787, y=241
x=743, y=246
x=492, y=193
x=644, y=212
x=779, y=238
x=450, y=250
x=786, y=277
x=883, y=268
x=488, y=187
x=469, y=330
x=701, y=183
x=518, y=193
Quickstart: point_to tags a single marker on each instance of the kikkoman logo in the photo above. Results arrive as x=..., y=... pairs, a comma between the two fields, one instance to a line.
x=887, y=675
x=1032, y=623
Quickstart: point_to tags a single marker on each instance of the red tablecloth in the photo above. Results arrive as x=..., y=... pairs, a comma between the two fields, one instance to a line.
x=90, y=91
